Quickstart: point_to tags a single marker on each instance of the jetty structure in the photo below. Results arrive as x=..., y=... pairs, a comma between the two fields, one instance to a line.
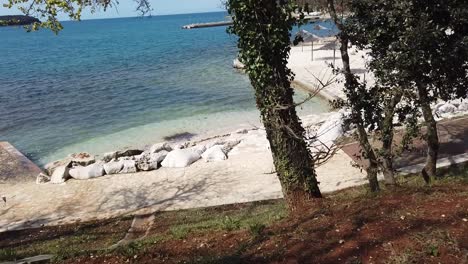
x=209, y=24
x=15, y=167
x=311, y=17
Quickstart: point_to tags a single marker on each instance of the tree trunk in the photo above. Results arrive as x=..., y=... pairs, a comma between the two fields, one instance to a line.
x=373, y=167
x=432, y=137
x=263, y=27
x=291, y=156
x=351, y=86
x=387, y=140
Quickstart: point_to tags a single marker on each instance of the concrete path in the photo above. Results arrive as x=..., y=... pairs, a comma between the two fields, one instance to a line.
x=15, y=167
x=245, y=177
x=453, y=138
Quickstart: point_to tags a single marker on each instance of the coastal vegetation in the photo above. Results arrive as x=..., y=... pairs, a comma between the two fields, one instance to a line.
x=416, y=60
x=19, y=20
x=418, y=57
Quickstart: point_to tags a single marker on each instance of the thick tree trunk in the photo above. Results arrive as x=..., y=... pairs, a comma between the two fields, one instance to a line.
x=263, y=28
x=432, y=137
x=387, y=140
x=291, y=156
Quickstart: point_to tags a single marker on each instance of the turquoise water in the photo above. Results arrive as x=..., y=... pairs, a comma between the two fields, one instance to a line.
x=106, y=84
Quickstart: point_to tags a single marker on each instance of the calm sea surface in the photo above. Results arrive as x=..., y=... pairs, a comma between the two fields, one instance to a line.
x=101, y=85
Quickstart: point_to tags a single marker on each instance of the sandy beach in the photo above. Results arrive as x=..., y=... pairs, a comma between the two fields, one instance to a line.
x=247, y=175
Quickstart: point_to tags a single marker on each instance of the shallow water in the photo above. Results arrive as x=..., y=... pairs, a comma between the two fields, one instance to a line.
x=101, y=85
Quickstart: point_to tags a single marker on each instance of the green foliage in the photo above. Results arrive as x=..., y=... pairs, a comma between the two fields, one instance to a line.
x=418, y=55
x=264, y=42
x=48, y=10
x=414, y=43
x=179, y=232
x=264, y=31
x=8, y=254
x=135, y=247
x=230, y=224
x=256, y=229
x=196, y=221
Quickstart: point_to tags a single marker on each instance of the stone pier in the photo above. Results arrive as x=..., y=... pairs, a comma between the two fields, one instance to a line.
x=14, y=166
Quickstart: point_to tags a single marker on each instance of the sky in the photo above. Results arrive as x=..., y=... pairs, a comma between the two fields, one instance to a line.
x=126, y=8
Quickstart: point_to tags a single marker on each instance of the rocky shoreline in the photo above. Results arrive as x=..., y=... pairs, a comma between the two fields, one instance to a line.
x=323, y=130
x=84, y=166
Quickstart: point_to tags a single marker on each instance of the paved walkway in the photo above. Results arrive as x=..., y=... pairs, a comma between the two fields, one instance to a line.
x=15, y=167
x=453, y=137
x=245, y=177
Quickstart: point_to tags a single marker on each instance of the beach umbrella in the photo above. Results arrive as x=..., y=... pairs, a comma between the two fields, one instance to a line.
x=333, y=45
x=320, y=27
x=308, y=37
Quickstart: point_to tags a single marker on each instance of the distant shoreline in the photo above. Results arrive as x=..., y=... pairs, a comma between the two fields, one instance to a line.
x=18, y=20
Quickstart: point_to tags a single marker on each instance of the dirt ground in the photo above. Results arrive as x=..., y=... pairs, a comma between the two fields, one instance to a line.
x=410, y=224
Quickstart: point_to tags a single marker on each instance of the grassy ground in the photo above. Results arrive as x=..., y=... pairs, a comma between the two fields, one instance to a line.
x=413, y=223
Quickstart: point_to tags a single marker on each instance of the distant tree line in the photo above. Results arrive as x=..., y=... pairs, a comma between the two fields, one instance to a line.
x=18, y=20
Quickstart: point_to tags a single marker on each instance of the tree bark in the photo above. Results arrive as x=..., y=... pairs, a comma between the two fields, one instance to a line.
x=291, y=157
x=432, y=138
x=351, y=85
x=263, y=28
x=387, y=140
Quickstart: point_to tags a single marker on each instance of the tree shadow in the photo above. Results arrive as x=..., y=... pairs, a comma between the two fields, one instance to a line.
x=128, y=201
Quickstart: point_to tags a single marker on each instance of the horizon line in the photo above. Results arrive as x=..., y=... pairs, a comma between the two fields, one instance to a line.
x=137, y=16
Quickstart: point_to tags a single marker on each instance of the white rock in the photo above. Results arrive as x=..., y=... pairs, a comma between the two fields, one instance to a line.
x=242, y=131
x=137, y=158
x=215, y=153
x=109, y=156
x=159, y=147
x=82, y=159
x=129, y=166
x=180, y=158
x=113, y=167
x=159, y=157
x=199, y=149
x=237, y=64
x=328, y=132
x=51, y=166
x=151, y=161
x=229, y=145
x=126, y=158
x=88, y=172
x=463, y=106
x=179, y=146
x=438, y=105
x=60, y=175
x=456, y=102
x=447, y=108
x=129, y=153
x=42, y=178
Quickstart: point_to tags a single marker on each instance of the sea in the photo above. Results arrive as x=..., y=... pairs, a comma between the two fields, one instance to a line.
x=103, y=85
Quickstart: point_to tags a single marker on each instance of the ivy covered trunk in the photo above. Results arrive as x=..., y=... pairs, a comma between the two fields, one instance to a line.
x=291, y=157
x=263, y=28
